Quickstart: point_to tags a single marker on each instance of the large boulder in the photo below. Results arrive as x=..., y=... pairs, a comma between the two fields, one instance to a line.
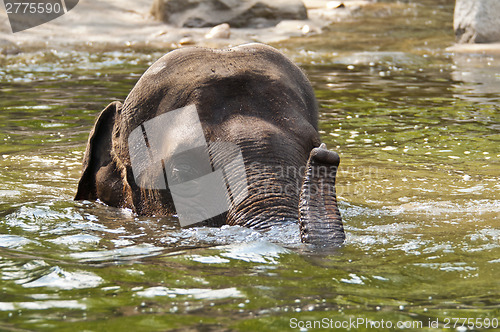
x=237, y=13
x=477, y=21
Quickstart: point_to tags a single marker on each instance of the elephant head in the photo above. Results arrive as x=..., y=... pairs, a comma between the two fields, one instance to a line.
x=240, y=122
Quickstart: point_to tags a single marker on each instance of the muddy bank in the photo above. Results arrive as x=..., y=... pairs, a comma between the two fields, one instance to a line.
x=116, y=24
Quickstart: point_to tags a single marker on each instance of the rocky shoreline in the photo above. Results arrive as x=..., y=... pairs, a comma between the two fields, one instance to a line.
x=108, y=25
x=118, y=24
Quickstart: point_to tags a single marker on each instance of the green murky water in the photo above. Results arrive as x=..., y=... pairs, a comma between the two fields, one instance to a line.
x=418, y=131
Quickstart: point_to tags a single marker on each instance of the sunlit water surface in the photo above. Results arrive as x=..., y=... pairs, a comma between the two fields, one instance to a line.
x=418, y=131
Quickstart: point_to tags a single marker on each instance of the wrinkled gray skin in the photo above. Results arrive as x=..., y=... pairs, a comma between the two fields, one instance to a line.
x=250, y=95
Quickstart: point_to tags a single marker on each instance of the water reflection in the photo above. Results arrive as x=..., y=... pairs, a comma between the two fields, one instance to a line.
x=480, y=73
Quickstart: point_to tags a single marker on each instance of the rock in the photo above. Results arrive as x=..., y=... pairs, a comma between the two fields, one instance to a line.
x=337, y=11
x=477, y=21
x=186, y=41
x=305, y=29
x=335, y=5
x=219, y=31
x=8, y=47
x=237, y=13
x=297, y=28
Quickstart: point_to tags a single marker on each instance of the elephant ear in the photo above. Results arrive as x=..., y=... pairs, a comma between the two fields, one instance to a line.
x=101, y=178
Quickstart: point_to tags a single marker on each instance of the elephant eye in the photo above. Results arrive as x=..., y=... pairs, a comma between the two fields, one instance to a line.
x=187, y=166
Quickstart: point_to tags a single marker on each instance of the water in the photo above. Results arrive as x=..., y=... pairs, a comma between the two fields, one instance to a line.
x=417, y=129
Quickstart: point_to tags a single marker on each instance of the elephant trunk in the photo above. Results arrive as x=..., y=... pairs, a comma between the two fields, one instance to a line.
x=319, y=216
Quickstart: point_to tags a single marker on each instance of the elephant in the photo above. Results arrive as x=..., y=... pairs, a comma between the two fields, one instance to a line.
x=198, y=106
